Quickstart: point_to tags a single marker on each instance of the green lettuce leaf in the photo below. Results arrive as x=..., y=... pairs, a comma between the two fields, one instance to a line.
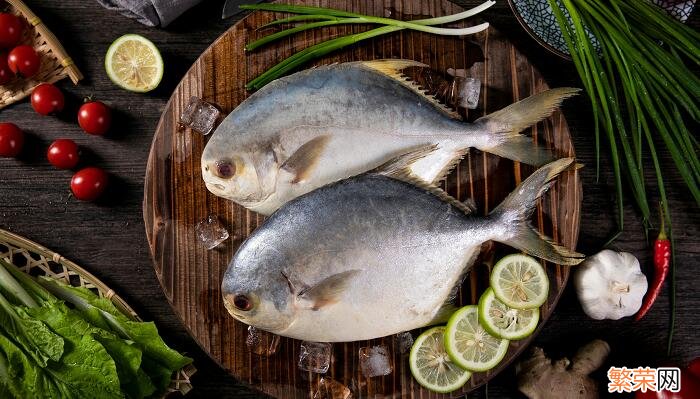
x=22, y=378
x=86, y=366
x=40, y=343
x=127, y=358
x=159, y=361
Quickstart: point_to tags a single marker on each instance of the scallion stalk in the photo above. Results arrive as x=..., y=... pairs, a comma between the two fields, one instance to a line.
x=330, y=17
x=639, y=71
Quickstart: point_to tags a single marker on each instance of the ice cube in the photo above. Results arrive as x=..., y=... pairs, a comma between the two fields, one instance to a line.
x=211, y=232
x=375, y=361
x=403, y=342
x=199, y=115
x=262, y=342
x=466, y=92
x=315, y=356
x=331, y=389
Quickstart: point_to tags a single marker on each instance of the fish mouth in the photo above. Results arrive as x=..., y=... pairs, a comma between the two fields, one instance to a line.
x=217, y=189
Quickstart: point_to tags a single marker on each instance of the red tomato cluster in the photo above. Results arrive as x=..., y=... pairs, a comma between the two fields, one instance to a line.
x=21, y=60
x=94, y=117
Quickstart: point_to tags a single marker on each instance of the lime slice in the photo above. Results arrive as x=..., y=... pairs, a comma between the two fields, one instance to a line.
x=520, y=282
x=432, y=367
x=469, y=344
x=134, y=63
x=502, y=321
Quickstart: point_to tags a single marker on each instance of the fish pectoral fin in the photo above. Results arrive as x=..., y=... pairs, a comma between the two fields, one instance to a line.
x=303, y=160
x=327, y=291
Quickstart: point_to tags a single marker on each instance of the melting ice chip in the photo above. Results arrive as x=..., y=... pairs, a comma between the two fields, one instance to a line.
x=262, y=342
x=464, y=89
x=375, y=361
x=315, y=356
x=199, y=115
x=467, y=92
x=403, y=342
x=211, y=232
x=331, y=389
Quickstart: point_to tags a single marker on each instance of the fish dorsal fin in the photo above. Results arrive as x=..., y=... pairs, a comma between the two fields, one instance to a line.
x=399, y=168
x=327, y=291
x=392, y=68
x=466, y=208
x=456, y=159
x=302, y=161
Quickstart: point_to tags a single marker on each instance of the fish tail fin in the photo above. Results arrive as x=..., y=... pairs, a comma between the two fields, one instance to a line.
x=508, y=122
x=518, y=207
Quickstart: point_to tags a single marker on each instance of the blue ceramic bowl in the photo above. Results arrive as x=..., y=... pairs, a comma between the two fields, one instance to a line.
x=537, y=18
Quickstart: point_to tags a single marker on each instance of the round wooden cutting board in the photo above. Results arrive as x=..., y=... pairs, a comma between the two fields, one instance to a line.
x=176, y=199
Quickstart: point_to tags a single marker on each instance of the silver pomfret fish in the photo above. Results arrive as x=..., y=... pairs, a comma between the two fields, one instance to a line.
x=325, y=124
x=372, y=256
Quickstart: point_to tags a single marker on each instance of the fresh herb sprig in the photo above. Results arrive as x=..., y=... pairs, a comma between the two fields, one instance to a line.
x=329, y=17
x=640, y=86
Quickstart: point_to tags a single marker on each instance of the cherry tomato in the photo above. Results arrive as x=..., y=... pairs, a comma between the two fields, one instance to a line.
x=10, y=30
x=11, y=139
x=63, y=154
x=95, y=117
x=6, y=73
x=24, y=61
x=47, y=99
x=89, y=183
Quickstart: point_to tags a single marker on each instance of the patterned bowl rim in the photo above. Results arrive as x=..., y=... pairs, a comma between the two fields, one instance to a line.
x=534, y=34
x=530, y=31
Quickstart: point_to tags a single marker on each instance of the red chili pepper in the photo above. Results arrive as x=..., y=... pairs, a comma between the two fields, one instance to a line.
x=662, y=264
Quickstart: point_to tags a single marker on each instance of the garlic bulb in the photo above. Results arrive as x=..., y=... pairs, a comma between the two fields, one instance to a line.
x=610, y=285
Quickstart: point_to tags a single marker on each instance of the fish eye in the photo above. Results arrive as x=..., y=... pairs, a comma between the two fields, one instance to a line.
x=241, y=302
x=225, y=169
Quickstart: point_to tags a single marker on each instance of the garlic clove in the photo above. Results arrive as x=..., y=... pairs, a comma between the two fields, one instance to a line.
x=610, y=285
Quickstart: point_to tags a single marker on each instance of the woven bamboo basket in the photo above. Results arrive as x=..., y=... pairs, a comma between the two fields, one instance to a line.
x=36, y=260
x=55, y=62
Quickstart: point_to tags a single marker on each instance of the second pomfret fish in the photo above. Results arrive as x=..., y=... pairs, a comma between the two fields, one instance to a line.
x=325, y=124
x=374, y=255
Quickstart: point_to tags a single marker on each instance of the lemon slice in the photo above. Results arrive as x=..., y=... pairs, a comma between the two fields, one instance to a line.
x=502, y=321
x=431, y=365
x=469, y=344
x=520, y=282
x=134, y=63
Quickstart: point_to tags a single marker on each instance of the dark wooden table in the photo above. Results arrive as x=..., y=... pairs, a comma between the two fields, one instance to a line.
x=108, y=238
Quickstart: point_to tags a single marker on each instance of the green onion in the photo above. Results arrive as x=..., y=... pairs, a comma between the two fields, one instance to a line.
x=330, y=17
x=642, y=93
x=298, y=18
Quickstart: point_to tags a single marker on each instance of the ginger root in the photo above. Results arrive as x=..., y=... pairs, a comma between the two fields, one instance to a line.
x=540, y=378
